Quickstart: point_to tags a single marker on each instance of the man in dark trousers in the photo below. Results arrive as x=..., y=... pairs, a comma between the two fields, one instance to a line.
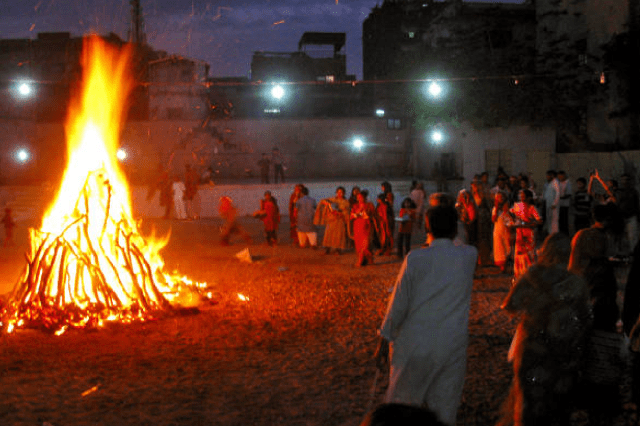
x=264, y=163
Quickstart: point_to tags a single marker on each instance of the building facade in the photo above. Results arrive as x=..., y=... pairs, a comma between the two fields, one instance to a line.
x=565, y=64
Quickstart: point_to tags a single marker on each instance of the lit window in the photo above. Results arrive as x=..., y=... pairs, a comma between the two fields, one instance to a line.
x=411, y=34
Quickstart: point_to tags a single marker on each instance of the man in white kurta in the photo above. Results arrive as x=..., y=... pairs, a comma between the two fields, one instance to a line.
x=552, y=201
x=427, y=322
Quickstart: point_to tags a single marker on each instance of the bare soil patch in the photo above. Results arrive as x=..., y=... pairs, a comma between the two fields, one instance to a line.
x=297, y=352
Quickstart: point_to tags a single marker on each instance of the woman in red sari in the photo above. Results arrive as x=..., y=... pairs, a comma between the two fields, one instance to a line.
x=364, y=222
x=385, y=235
x=526, y=220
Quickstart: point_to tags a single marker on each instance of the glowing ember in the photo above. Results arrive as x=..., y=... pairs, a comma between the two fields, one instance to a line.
x=243, y=297
x=88, y=262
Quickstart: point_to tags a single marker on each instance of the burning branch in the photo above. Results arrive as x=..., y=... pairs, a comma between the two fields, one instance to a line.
x=64, y=282
x=88, y=262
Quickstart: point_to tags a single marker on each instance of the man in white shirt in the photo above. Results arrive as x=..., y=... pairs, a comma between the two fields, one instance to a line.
x=427, y=321
x=564, y=185
x=179, y=189
x=552, y=202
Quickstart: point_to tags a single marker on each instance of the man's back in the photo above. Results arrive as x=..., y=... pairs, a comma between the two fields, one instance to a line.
x=306, y=210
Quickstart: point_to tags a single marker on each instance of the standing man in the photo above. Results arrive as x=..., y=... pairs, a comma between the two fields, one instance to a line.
x=564, y=185
x=264, y=163
x=582, y=202
x=293, y=213
x=306, y=207
x=552, y=201
x=629, y=204
x=427, y=321
x=191, y=180
x=278, y=167
x=179, y=189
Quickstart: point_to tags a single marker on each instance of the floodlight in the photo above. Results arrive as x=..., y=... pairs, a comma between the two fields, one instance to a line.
x=277, y=92
x=24, y=89
x=121, y=154
x=437, y=136
x=22, y=155
x=435, y=89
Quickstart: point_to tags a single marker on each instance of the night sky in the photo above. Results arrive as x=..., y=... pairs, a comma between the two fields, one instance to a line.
x=223, y=33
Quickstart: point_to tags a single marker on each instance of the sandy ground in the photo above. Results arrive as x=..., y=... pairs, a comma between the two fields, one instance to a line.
x=297, y=352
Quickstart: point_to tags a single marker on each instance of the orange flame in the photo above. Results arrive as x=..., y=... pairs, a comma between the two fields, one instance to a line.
x=89, y=260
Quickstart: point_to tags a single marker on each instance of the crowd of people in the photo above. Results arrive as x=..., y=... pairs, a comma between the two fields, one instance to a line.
x=568, y=351
x=506, y=220
x=356, y=222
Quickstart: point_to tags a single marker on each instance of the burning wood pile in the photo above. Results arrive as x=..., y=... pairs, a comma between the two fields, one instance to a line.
x=89, y=263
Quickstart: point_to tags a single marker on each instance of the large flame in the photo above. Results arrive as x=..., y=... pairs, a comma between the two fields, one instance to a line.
x=88, y=262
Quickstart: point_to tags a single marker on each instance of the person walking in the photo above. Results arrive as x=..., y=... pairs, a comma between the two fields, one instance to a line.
x=427, y=321
x=230, y=226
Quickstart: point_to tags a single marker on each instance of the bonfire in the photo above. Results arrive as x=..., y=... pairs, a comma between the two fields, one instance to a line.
x=89, y=263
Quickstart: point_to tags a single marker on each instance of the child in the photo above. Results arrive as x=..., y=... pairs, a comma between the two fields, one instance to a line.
x=229, y=214
x=9, y=224
x=405, y=219
x=271, y=218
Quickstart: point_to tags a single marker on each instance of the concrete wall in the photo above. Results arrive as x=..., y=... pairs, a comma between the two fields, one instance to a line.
x=521, y=146
x=29, y=202
x=313, y=149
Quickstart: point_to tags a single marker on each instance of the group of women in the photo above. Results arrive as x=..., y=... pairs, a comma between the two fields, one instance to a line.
x=493, y=223
x=357, y=219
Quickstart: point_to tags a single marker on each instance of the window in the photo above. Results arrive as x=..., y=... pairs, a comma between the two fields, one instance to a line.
x=394, y=124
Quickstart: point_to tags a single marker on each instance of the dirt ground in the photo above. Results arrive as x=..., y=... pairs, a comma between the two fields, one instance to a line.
x=297, y=352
